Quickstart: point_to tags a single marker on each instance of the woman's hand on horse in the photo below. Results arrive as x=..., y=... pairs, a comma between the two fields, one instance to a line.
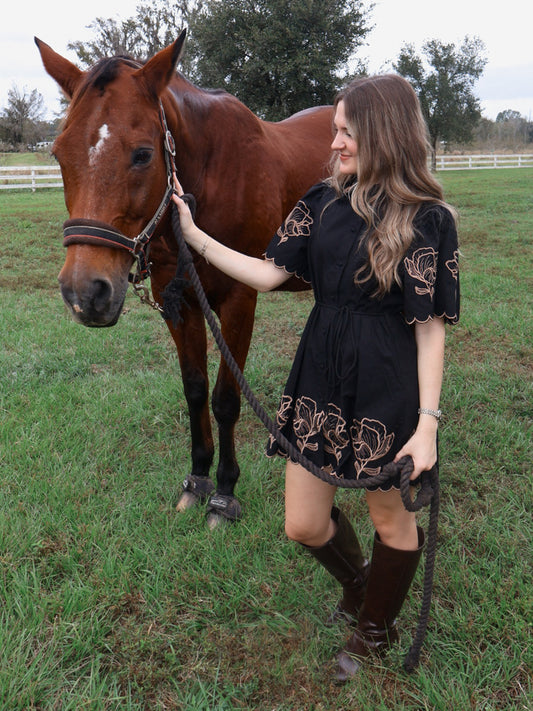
x=186, y=221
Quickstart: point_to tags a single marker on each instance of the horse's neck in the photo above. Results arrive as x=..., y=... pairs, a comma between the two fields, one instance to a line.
x=203, y=124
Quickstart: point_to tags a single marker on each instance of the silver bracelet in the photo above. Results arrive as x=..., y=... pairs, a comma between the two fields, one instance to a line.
x=204, y=249
x=425, y=411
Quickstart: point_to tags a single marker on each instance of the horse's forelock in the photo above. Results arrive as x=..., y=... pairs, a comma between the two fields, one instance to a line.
x=104, y=72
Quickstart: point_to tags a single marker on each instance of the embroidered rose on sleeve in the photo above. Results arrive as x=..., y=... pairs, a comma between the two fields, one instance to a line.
x=297, y=224
x=422, y=266
x=453, y=264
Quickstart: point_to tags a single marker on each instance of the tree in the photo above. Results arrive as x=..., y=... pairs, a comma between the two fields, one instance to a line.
x=444, y=84
x=159, y=23
x=155, y=25
x=111, y=38
x=277, y=56
x=513, y=128
x=508, y=115
x=22, y=121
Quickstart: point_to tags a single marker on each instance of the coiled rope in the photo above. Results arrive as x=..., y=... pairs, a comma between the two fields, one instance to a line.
x=428, y=493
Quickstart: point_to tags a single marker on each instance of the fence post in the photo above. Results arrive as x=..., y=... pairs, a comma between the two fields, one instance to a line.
x=33, y=180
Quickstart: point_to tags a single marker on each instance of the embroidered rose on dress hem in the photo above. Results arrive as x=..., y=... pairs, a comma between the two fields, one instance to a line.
x=335, y=434
x=282, y=415
x=307, y=423
x=370, y=441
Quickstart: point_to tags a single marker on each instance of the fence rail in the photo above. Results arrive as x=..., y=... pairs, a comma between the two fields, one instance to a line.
x=476, y=162
x=49, y=176
x=30, y=177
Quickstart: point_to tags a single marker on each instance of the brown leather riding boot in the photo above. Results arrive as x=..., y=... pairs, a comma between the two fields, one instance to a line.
x=389, y=580
x=342, y=557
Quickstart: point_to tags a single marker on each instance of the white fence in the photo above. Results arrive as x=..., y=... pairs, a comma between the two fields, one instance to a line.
x=476, y=162
x=49, y=176
x=31, y=177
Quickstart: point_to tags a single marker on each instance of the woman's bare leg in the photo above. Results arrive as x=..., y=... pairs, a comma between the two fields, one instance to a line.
x=308, y=502
x=395, y=525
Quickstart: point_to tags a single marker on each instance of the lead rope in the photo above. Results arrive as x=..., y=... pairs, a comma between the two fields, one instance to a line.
x=429, y=489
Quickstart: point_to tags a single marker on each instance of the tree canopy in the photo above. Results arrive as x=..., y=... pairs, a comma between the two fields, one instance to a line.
x=22, y=120
x=508, y=115
x=444, y=84
x=155, y=25
x=277, y=56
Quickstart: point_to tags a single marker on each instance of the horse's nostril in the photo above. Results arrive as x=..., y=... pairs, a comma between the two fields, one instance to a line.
x=102, y=292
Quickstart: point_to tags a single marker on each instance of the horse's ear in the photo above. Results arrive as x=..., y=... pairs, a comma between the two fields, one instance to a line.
x=158, y=71
x=66, y=74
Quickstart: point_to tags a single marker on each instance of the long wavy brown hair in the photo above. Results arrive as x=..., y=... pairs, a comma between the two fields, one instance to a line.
x=393, y=179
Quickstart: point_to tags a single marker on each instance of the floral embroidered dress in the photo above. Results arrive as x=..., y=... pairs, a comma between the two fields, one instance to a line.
x=351, y=399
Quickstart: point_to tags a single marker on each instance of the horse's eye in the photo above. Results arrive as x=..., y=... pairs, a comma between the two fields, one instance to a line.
x=141, y=156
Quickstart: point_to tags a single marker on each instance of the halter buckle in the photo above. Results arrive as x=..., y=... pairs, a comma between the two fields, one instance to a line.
x=169, y=143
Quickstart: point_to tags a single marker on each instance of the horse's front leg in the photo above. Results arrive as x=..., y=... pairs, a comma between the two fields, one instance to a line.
x=237, y=319
x=191, y=343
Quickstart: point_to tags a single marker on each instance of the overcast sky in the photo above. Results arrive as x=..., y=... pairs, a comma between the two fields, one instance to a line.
x=507, y=82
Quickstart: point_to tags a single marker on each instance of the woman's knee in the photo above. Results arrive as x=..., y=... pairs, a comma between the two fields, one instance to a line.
x=308, y=503
x=395, y=525
x=309, y=532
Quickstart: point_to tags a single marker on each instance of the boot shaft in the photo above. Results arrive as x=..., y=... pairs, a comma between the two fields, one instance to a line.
x=391, y=574
x=343, y=558
x=389, y=580
x=342, y=555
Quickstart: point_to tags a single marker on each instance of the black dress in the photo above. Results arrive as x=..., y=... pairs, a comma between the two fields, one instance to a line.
x=351, y=399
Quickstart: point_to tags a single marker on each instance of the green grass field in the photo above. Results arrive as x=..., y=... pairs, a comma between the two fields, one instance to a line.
x=111, y=600
x=21, y=159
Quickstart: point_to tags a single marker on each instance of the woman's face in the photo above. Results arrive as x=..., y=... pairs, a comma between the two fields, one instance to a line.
x=344, y=143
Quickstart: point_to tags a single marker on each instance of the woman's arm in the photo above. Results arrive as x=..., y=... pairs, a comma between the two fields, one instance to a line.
x=422, y=446
x=260, y=274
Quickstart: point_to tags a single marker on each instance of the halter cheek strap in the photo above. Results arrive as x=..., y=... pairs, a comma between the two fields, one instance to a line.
x=85, y=231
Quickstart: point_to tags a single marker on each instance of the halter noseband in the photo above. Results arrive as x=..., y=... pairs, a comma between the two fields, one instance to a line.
x=83, y=231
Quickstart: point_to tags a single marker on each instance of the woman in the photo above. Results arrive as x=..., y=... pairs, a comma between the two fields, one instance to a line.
x=379, y=247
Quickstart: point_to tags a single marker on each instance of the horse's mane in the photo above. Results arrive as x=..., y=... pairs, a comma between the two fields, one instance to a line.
x=186, y=93
x=106, y=70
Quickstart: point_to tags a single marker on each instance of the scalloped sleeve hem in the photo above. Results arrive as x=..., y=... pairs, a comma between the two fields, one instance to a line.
x=430, y=270
x=289, y=248
x=287, y=271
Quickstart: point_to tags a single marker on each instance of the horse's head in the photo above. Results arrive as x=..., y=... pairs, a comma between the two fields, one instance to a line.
x=112, y=158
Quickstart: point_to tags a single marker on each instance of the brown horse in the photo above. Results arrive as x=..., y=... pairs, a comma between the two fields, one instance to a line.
x=246, y=175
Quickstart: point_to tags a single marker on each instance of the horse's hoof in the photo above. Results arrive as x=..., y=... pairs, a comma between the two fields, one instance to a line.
x=222, y=509
x=196, y=489
x=187, y=501
x=215, y=521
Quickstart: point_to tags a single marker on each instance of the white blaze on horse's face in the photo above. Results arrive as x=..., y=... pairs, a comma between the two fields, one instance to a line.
x=94, y=151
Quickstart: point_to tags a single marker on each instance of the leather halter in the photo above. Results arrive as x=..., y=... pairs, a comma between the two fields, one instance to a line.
x=84, y=231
